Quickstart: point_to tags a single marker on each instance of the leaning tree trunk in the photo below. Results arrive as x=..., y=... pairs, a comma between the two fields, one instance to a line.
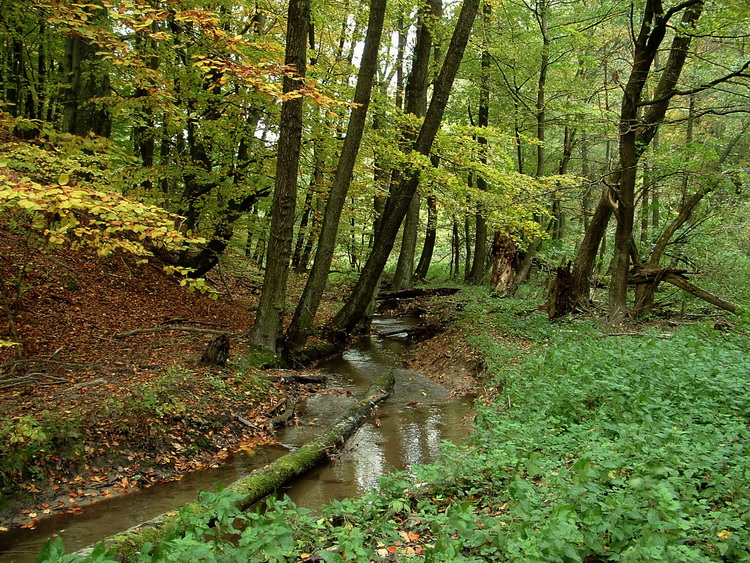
x=304, y=314
x=267, y=327
x=356, y=305
x=637, y=133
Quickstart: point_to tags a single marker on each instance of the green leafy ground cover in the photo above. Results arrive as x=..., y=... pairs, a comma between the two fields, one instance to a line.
x=594, y=448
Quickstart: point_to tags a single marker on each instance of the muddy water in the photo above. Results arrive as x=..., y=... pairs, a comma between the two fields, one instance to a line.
x=409, y=429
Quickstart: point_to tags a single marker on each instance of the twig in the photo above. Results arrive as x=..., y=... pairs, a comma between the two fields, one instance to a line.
x=86, y=384
x=247, y=423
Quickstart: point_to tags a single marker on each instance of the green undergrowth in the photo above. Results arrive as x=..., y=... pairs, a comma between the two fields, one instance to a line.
x=595, y=448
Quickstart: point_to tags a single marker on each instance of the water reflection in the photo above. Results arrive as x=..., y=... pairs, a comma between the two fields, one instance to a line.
x=409, y=429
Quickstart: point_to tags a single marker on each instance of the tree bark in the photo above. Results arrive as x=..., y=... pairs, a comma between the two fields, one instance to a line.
x=267, y=327
x=479, y=263
x=685, y=285
x=304, y=314
x=636, y=134
x=416, y=104
x=356, y=305
x=430, y=237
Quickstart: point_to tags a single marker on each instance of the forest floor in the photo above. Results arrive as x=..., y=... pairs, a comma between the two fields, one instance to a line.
x=87, y=414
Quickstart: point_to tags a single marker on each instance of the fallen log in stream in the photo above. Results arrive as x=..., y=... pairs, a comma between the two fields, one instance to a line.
x=262, y=482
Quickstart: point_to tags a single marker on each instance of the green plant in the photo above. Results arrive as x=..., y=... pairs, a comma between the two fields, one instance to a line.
x=25, y=439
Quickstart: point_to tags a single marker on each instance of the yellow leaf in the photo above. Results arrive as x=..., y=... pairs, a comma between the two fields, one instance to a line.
x=63, y=179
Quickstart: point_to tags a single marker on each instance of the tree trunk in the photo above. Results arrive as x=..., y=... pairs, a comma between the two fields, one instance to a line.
x=430, y=237
x=267, y=327
x=685, y=285
x=208, y=257
x=636, y=134
x=403, y=277
x=479, y=263
x=416, y=104
x=85, y=88
x=356, y=305
x=580, y=282
x=304, y=314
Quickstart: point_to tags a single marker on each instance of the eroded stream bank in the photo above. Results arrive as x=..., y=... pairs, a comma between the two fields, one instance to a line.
x=409, y=429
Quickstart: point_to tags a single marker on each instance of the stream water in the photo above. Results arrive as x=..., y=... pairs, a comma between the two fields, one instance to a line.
x=408, y=430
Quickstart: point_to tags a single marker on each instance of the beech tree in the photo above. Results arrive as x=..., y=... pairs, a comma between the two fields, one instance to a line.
x=267, y=328
x=398, y=203
x=304, y=314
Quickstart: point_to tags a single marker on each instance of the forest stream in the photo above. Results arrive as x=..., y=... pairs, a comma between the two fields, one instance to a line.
x=408, y=429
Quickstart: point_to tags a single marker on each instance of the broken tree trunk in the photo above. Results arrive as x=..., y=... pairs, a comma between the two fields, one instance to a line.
x=560, y=300
x=217, y=351
x=262, y=482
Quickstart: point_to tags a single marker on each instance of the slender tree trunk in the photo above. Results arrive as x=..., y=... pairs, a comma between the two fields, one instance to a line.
x=455, y=268
x=267, y=327
x=304, y=314
x=430, y=235
x=403, y=277
x=416, y=104
x=467, y=243
x=479, y=264
x=356, y=305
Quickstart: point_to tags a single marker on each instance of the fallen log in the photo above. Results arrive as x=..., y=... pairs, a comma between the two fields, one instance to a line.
x=262, y=482
x=655, y=275
x=297, y=378
x=685, y=285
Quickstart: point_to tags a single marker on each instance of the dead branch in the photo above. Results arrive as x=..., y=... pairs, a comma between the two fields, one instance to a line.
x=86, y=384
x=297, y=378
x=685, y=285
x=177, y=328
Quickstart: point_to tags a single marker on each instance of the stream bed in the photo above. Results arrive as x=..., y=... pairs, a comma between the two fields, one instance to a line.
x=408, y=429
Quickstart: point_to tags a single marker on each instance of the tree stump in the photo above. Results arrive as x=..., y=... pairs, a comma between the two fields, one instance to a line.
x=560, y=299
x=217, y=351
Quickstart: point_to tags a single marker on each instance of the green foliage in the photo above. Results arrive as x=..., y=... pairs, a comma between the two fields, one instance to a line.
x=625, y=449
x=25, y=439
x=104, y=221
